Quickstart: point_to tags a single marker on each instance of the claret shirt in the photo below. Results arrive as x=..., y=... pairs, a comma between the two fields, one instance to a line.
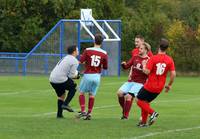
x=95, y=59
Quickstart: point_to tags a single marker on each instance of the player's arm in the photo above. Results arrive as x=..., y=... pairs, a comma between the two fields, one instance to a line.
x=83, y=57
x=147, y=66
x=145, y=70
x=105, y=62
x=172, y=76
x=169, y=85
x=126, y=65
x=73, y=73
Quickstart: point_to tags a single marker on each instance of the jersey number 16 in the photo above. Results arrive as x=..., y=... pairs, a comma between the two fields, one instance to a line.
x=160, y=68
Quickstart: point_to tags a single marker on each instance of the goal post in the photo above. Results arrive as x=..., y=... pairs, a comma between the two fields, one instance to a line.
x=88, y=20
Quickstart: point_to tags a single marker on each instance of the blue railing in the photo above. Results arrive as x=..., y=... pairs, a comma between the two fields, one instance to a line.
x=19, y=58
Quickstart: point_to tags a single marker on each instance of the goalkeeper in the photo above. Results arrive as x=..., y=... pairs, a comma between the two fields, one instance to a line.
x=61, y=79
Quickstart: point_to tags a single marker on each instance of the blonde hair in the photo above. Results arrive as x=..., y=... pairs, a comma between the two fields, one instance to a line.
x=147, y=46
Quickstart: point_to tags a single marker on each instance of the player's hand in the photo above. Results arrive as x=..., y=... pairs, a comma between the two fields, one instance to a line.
x=167, y=88
x=144, y=62
x=78, y=75
x=123, y=64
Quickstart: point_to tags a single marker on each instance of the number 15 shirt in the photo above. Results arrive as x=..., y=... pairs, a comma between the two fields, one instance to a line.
x=95, y=59
x=158, y=65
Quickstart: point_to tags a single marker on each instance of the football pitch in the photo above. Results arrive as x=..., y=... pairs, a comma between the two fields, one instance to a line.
x=28, y=111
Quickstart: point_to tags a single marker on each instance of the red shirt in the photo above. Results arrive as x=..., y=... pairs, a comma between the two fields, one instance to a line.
x=135, y=52
x=137, y=74
x=95, y=59
x=158, y=65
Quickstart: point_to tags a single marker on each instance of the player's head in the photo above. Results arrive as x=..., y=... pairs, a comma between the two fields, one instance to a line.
x=139, y=39
x=144, y=48
x=72, y=50
x=98, y=39
x=164, y=44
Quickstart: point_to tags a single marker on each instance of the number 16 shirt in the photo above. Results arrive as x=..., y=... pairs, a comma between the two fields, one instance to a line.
x=95, y=59
x=158, y=65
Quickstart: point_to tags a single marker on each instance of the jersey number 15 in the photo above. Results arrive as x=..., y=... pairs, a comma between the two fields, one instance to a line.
x=95, y=60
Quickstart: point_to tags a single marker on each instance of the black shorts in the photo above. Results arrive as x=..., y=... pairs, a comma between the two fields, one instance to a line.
x=61, y=87
x=145, y=95
x=131, y=94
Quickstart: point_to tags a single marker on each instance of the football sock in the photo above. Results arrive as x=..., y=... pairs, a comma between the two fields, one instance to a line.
x=70, y=95
x=90, y=104
x=121, y=101
x=145, y=106
x=127, y=107
x=144, y=116
x=60, y=111
x=82, y=102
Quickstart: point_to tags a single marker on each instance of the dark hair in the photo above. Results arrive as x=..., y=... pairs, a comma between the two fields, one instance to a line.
x=71, y=49
x=98, y=39
x=140, y=37
x=164, y=44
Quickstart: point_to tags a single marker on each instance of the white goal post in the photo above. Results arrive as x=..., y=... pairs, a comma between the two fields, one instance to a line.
x=88, y=20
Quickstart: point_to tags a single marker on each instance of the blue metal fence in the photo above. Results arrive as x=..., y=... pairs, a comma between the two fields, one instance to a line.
x=52, y=47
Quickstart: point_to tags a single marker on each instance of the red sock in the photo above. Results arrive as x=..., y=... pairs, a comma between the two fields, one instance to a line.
x=82, y=102
x=127, y=107
x=145, y=106
x=144, y=116
x=121, y=101
x=90, y=104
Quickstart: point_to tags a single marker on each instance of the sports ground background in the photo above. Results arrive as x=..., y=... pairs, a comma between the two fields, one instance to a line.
x=28, y=110
x=28, y=103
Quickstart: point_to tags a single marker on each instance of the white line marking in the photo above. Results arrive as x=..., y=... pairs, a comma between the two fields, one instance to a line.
x=164, y=132
x=47, y=90
x=180, y=100
x=50, y=113
x=5, y=94
x=106, y=84
x=107, y=106
x=25, y=91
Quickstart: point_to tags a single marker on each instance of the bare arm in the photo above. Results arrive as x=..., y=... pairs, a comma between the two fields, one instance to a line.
x=105, y=62
x=172, y=76
x=145, y=70
x=126, y=65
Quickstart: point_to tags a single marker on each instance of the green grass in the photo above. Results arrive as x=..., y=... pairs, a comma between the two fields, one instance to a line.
x=27, y=105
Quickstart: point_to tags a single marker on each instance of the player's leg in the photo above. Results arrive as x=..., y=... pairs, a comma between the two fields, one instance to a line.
x=144, y=98
x=90, y=106
x=94, y=80
x=120, y=96
x=143, y=118
x=60, y=91
x=71, y=87
x=142, y=101
x=82, y=101
x=134, y=91
x=60, y=102
x=127, y=105
x=82, y=113
x=83, y=89
x=123, y=90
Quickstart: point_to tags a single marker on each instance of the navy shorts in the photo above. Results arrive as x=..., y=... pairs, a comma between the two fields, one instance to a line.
x=61, y=87
x=146, y=95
